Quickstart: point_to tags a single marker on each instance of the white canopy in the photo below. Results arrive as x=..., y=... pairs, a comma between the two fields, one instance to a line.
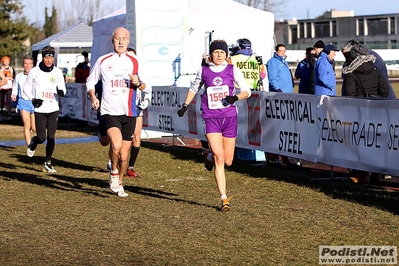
x=102, y=32
x=78, y=36
x=171, y=38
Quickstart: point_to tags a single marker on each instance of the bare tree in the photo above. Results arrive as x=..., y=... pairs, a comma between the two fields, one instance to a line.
x=85, y=11
x=274, y=6
x=71, y=12
x=34, y=11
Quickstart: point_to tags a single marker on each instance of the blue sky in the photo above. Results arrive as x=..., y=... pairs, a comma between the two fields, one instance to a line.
x=303, y=9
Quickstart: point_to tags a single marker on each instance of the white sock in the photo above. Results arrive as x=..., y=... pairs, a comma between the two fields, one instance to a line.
x=223, y=197
x=115, y=172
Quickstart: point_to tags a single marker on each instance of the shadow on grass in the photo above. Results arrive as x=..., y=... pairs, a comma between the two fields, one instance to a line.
x=184, y=153
x=39, y=160
x=6, y=148
x=64, y=123
x=163, y=195
x=338, y=188
x=57, y=181
x=79, y=184
x=375, y=195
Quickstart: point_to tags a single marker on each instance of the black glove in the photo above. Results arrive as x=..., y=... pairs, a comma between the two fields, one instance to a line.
x=231, y=99
x=182, y=110
x=37, y=102
x=60, y=93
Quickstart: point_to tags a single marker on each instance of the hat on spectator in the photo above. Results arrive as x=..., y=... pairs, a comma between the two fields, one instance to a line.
x=358, y=50
x=309, y=50
x=347, y=47
x=319, y=44
x=244, y=43
x=329, y=47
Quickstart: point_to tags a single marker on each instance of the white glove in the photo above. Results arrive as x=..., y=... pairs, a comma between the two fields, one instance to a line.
x=143, y=104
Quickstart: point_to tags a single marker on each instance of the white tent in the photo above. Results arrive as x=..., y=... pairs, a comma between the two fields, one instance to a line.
x=174, y=35
x=74, y=37
x=78, y=36
x=230, y=21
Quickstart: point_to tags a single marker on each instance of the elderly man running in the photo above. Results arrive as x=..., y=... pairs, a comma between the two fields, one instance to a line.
x=118, y=71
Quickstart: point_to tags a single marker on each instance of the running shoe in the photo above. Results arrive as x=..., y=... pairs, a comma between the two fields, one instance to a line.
x=208, y=164
x=121, y=192
x=225, y=205
x=48, y=168
x=114, y=182
x=131, y=173
x=31, y=148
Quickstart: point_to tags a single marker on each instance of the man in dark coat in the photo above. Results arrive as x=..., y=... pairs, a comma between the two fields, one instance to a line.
x=361, y=77
x=379, y=63
x=82, y=70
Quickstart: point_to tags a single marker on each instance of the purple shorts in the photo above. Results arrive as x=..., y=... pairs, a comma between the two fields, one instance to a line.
x=227, y=126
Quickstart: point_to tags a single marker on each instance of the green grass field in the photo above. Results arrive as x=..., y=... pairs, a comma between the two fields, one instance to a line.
x=171, y=216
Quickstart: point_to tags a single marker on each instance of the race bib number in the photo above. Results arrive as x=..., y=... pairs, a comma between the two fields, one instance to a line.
x=119, y=86
x=215, y=96
x=48, y=94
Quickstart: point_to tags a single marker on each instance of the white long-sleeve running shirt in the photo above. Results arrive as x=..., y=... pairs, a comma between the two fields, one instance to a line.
x=43, y=85
x=118, y=92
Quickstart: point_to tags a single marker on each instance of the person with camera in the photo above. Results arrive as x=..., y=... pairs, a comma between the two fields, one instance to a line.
x=219, y=113
x=44, y=85
x=249, y=63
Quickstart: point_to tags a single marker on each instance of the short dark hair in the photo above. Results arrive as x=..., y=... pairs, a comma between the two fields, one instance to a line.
x=309, y=50
x=130, y=49
x=279, y=45
x=244, y=43
x=48, y=49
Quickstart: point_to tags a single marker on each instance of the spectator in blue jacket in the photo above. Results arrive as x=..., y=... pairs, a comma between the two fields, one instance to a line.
x=324, y=74
x=279, y=73
x=280, y=80
x=303, y=72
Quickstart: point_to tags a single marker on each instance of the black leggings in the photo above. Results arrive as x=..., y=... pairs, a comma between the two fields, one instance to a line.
x=46, y=121
x=5, y=94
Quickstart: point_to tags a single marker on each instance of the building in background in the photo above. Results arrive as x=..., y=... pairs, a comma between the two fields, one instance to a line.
x=338, y=27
